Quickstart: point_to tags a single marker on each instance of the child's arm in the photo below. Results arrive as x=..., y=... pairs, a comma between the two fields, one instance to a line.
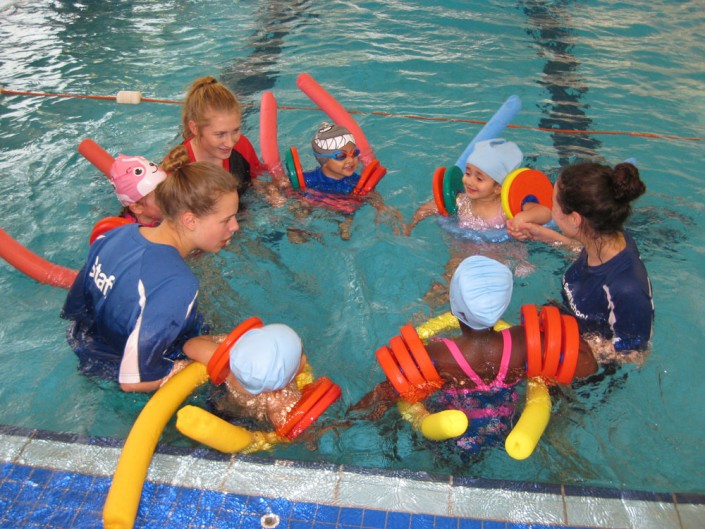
x=587, y=365
x=393, y=214
x=201, y=348
x=532, y=213
x=538, y=232
x=425, y=210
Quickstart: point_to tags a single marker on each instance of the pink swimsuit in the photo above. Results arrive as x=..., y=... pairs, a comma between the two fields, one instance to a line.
x=503, y=367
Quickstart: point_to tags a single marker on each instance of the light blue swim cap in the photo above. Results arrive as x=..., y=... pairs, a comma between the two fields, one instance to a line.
x=480, y=291
x=496, y=157
x=266, y=359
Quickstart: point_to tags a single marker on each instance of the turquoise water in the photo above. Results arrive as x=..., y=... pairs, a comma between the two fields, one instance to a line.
x=597, y=66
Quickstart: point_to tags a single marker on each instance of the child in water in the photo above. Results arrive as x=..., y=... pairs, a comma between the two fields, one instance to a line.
x=263, y=365
x=134, y=179
x=480, y=206
x=480, y=366
x=337, y=154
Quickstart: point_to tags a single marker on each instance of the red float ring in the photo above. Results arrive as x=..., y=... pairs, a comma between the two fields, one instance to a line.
x=107, y=224
x=219, y=364
x=421, y=356
x=571, y=348
x=406, y=362
x=304, y=409
x=438, y=191
x=392, y=371
x=374, y=179
x=364, y=177
x=550, y=321
x=532, y=331
x=320, y=406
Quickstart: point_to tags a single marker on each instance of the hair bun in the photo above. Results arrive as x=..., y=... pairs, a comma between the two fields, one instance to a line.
x=626, y=183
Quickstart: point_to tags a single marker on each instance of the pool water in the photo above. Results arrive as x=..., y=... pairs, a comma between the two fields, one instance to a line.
x=623, y=77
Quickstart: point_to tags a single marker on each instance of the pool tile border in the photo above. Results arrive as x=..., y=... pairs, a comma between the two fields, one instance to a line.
x=374, y=490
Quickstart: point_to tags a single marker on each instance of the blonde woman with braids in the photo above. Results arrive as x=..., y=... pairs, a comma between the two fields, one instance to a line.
x=134, y=303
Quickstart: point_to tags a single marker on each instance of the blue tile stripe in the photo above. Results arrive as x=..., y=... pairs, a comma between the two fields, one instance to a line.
x=32, y=496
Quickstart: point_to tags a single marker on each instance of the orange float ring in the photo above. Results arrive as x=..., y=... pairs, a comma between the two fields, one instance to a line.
x=316, y=398
x=406, y=362
x=391, y=370
x=374, y=178
x=438, y=191
x=320, y=406
x=532, y=331
x=571, y=348
x=107, y=224
x=521, y=184
x=550, y=322
x=219, y=364
x=298, y=168
x=423, y=360
x=364, y=177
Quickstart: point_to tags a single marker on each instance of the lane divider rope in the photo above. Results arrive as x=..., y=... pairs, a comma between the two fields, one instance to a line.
x=132, y=97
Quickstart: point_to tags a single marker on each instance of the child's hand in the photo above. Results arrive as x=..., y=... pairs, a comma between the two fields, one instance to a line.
x=425, y=210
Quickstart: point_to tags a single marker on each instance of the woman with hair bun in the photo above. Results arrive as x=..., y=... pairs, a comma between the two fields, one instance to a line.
x=134, y=302
x=607, y=288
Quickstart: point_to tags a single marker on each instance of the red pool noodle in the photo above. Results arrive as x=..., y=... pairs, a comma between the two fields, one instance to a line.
x=34, y=266
x=268, y=135
x=98, y=156
x=337, y=113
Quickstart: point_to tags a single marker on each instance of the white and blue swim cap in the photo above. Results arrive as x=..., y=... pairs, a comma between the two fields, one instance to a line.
x=328, y=139
x=480, y=291
x=496, y=157
x=266, y=359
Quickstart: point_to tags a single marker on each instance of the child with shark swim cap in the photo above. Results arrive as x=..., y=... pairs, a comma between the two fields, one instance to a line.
x=335, y=149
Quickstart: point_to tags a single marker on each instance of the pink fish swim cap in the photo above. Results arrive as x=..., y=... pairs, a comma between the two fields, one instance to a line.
x=134, y=177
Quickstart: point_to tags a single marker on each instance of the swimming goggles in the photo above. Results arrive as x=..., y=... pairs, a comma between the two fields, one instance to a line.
x=341, y=155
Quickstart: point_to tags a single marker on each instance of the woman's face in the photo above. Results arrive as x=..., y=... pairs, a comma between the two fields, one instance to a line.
x=212, y=232
x=218, y=137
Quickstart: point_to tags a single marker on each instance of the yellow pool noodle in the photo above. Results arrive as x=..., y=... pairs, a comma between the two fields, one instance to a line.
x=527, y=432
x=439, y=426
x=120, y=509
x=212, y=431
x=444, y=425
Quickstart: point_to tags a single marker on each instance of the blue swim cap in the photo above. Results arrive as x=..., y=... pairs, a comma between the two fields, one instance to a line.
x=480, y=291
x=496, y=157
x=266, y=359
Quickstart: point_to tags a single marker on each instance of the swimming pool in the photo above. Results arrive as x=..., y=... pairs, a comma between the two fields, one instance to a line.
x=595, y=66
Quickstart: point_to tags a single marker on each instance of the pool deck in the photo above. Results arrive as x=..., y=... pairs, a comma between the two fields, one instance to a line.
x=61, y=480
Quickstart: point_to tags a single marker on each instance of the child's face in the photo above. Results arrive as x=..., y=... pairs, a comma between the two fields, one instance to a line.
x=212, y=232
x=479, y=185
x=339, y=169
x=147, y=211
x=218, y=137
